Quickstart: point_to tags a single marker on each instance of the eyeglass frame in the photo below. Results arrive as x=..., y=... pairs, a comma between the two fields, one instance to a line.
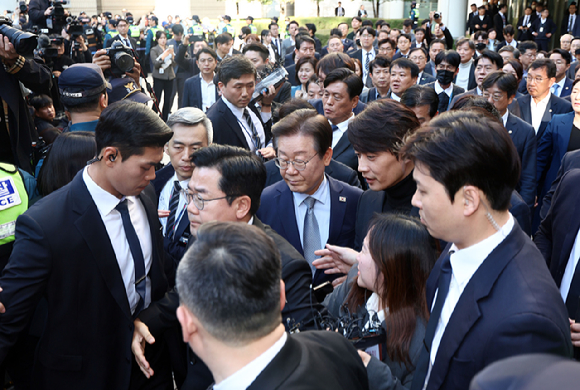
x=293, y=162
x=190, y=197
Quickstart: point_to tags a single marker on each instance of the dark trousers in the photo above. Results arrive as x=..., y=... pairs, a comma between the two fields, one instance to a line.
x=178, y=90
x=164, y=87
x=543, y=44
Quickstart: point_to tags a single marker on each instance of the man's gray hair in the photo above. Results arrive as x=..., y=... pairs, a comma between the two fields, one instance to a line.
x=190, y=116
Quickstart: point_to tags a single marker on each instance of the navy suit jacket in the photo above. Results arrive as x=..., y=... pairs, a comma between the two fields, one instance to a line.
x=570, y=161
x=335, y=169
x=555, y=105
x=430, y=69
x=277, y=210
x=557, y=232
x=510, y=306
x=523, y=87
x=174, y=247
x=370, y=95
x=63, y=252
x=567, y=90
x=551, y=149
x=426, y=78
x=227, y=130
x=344, y=152
x=524, y=139
x=192, y=93
x=291, y=69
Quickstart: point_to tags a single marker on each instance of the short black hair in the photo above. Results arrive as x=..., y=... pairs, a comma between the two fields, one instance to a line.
x=527, y=45
x=389, y=41
x=405, y=63
x=380, y=62
x=564, y=53
x=450, y=56
x=258, y=48
x=368, y=29
x=468, y=148
x=463, y=41
x=334, y=61
x=509, y=29
x=177, y=29
x=209, y=51
x=234, y=67
x=505, y=82
x=311, y=27
x=407, y=23
x=335, y=32
x=306, y=122
x=421, y=49
x=41, y=101
x=130, y=127
x=477, y=103
x=240, y=264
x=546, y=63
x=493, y=56
x=421, y=95
x=272, y=24
x=246, y=30
x=406, y=36
x=300, y=39
x=357, y=18
x=382, y=127
x=223, y=38
x=481, y=34
x=353, y=83
x=292, y=105
x=242, y=172
x=434, y=41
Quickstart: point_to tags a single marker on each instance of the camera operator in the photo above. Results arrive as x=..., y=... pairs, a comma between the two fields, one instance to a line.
x=44, y=13
x=17, y=132
x=61, y=61
x=103, y=60
x=123, y=35
x=75, y=43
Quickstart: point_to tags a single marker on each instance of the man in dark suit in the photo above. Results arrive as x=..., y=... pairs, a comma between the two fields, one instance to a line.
x=489, y=61
x=499, y=88
x=569, y=20
x=481, y=22
x=236, y=121
x=339, y=10
x=562, y=86
x=542, y=29
x=367, y=51
x=243, y=330
x=123, y=37
x=524, y=25
x=111, y=258
x=500, y=20
x=226, y=185
x=483, y=281
x=447, y=66
x=540, y=100
x=380, y=73
x=419, y=56
x=471, y=15
x=557, y=239
x=193, y=93
x=335, y=169
x=571, y=160
x=308, y=208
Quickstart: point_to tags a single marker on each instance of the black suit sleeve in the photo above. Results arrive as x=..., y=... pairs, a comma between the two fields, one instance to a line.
x=284, y=94
x=161, y=315
x=36, y=10
x=547, y=202
x=188, y=64
x=301, y=305
x=448, y=38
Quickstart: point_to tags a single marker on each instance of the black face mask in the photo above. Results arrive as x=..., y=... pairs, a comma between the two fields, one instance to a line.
x=480, y=46
x=357, y=42
x=445, y=77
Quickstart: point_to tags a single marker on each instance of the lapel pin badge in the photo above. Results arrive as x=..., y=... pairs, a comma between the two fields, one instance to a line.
x=509, y=131
x=342, y=199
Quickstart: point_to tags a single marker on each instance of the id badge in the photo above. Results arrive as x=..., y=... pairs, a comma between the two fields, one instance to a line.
x=541, y=29
x=161, y=70
x=374, y=351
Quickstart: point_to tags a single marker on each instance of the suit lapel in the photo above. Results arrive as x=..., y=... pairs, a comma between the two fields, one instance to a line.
x=197, y=86
x=566, y=124
x=91, y=227
x=231, y=120
x=466, y=312
x=285, y=204
x=337, y=209
x=568, y=242
x=284, y=364
x=341, y=146
x=525, y=108
x=548, y=113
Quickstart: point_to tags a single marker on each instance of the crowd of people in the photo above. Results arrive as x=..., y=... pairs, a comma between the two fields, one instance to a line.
x=394, y=209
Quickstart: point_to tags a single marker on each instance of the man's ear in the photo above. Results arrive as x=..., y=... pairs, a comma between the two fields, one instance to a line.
x=188, y=322
x=471, y=200
x=243, y=205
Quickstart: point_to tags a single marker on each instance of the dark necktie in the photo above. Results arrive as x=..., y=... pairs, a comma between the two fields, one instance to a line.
x=334, y=128
x=367, y=63
x=255, y=138
x=173, y=203
x=136, y=252
x=443, y=289
x=571, y=22
x=443, y=102
x=311, y=233
x=525, y=21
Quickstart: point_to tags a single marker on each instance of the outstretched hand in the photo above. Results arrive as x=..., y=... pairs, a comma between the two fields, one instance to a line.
x=141, y=336
x=335, y=259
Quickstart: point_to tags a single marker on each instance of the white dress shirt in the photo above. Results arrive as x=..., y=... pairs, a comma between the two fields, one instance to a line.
x=395, y=97
x=342, y=128
x=207, y=93
x=571, y=21
x=526, y=21
x=321, y=212
x=570, y=268
x=462, y=79
x=538, y=110
x=245, y=376
x=165, y=198
x=364, y=61
x=106, y=203
x=464, y=263
x=504, y=118
x=239, y=114
x=439, y=89
x=513, y=43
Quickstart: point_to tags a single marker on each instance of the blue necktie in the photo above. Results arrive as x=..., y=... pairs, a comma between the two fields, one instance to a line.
x=334, y=128
x=443, y=289
x=136, y=252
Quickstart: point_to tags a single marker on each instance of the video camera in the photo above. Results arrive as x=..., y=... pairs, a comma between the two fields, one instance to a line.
x=57, y=18
x=45, y=49
x=75, y=27
x=37, y=30
x=22, y=7
x=122, y=60
x=24, y=42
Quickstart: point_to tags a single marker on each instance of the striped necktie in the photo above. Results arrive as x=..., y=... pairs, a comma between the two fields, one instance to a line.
x=173, y=203
x=255, y=137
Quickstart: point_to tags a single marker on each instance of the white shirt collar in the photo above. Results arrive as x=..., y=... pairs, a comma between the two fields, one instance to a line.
x=104, y=200
x=245, y=376
x=319, y=195
x=543, y=102
x=208, y=82
x=342, y=126
x=439, y=89
x=505, y=117
x=238, y=112
x=466, y=261
x=561, y=84
x=395, y=97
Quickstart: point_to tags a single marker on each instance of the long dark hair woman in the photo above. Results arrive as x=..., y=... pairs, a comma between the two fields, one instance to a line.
x=68, y=154
x=389, y=289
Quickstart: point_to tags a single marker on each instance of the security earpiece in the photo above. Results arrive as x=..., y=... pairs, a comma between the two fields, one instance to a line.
x=467, y=203
x=112, y=158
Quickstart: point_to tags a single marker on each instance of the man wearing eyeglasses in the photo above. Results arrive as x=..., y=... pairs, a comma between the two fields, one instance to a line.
x=367, y=52
x=538, y=107
x=226, y=185
x=419, y=56
x=489, y=61
x=309, y=208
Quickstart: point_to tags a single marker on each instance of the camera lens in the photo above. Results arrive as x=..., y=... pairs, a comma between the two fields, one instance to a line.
x=124, y=61
x=24, y=42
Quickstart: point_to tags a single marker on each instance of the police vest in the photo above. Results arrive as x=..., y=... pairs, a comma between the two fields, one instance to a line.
x=113, y=34
x=230, y=29
x=154, y=32
x=196, y=29
x=13, y=201
x=135, y=32
x=253, y=29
